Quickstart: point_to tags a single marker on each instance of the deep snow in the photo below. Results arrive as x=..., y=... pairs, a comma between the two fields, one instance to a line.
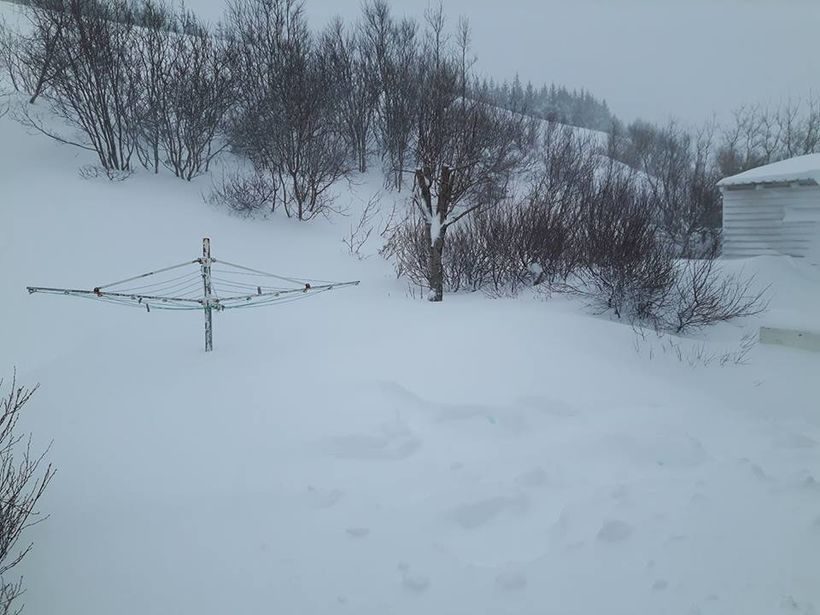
x=800, y=168
x=367, y=452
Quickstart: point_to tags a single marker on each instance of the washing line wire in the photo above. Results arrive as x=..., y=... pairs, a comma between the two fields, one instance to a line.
x=150, y=273
x=270, y=275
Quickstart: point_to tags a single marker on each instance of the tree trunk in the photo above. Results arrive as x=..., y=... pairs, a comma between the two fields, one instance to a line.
x=41, y=79
x=435, y=265
x=361, y=147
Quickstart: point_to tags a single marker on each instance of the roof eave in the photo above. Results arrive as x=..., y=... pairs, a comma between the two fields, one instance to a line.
x=784, y=183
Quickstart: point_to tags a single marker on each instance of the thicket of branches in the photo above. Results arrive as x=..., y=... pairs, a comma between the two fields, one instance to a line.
x=24, y=476
x=759, y=135
x=287, y=119
x=589, y=226
x=128, y=78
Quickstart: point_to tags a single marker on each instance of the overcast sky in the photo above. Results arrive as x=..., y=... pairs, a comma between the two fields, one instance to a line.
x=648, y=58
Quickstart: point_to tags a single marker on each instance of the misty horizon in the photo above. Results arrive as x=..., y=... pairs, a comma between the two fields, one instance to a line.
x=648, y=59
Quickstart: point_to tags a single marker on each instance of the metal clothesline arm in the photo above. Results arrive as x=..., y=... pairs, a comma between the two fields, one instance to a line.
x=98, y=293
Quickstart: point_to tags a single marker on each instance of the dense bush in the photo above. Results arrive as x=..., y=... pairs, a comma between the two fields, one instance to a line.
x=591, y=230
x=128, y=78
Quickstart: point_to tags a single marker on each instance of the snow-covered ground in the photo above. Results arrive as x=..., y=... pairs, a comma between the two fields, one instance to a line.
x=366, y=452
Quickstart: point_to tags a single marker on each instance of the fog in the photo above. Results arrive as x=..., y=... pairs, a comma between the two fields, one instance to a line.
x=654, y=59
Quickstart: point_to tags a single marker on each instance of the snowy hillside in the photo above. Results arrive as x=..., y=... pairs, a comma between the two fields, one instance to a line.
x=366, y=452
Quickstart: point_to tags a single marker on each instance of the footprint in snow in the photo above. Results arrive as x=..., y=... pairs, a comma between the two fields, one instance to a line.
x=620, y=494
x=411, y=581
x=511, y=580
x=698, y=499
x=810, y=483
x=757, y=471
x=471, y=516
x=358, y=532
x=323, y=498
x=790, y=605
x=535, y=478
x=614, y=531
x=382, y=447
x=796, y=441
x=550, y=407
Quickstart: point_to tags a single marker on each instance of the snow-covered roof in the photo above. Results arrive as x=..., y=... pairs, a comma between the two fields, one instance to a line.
x=800, y=169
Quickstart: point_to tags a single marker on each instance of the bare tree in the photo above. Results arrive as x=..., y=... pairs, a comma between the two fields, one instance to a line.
x=759, y=135
x=394, y=48
x=4, y=40
x=625, y=267
x=360, y=233
x=287, y=118
x=466, y=151
x=680, y=170
x=198, y=93
x=23, y=480
x=356, y=85
x=245, y=194
x=153, y=52
x=31, y=53
x=92, y=85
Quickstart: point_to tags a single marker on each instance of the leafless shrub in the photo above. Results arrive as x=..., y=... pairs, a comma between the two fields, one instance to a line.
x=405, y=246
x=394, y=48
x=6, y=57
x=128, y=77
x=245, y=194
x=94, y=171
x=153, y=51
x=360, y=233
x=191, y=100
x=624, y=265
x=286, y=121
x=23, y=480
x=186, y=90
x=702, y=296
x=32, y=54
x=80, y=61
x=629, y=268
x=356, y=86
x=679, y=169
x=501, y=250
